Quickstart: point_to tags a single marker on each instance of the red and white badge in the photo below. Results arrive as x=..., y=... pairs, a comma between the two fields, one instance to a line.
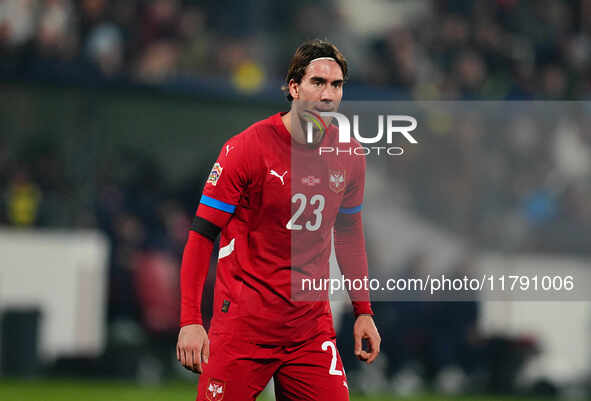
x=336, y=180
x=215, y=390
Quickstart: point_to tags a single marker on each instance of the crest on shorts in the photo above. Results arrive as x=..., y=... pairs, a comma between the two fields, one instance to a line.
x=336, y=180
x=215, y=174
x=215, y=390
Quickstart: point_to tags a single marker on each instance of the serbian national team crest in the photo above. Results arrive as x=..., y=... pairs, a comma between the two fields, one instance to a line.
x=215, y=390
x=336, y=180
x=215, y=174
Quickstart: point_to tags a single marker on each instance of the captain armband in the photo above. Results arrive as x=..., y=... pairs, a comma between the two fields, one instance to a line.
x=205, y=228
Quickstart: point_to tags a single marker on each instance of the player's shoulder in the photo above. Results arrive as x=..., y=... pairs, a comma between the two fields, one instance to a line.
x=262, y=129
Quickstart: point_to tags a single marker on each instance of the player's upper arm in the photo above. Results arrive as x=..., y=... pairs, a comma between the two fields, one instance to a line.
x=228, y=178
x=224, y=187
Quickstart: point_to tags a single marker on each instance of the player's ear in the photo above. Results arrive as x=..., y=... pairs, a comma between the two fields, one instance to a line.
x=293, y=88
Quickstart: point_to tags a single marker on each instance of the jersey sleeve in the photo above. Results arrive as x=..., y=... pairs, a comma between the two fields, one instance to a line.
x=228, y=178
x=221, y=194
x=349, y=240
x=194, y=267
x=349, y=244
x=355, y=186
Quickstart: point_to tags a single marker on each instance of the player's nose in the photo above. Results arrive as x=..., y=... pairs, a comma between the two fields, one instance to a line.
x=328, y=95
x=327, y=100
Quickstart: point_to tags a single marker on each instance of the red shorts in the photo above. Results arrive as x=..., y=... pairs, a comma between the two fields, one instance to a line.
x=239, y=371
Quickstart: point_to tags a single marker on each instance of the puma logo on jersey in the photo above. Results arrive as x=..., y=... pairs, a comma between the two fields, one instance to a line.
x=228, y=149
x=276, y=174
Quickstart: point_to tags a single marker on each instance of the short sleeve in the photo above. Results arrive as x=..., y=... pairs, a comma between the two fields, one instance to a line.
x=353, y=197
x=228, y=177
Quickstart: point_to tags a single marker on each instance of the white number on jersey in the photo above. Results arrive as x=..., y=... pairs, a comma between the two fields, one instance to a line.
x=317, y=201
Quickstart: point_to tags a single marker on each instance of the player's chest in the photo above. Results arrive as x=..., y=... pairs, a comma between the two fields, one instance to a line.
x=304, y=188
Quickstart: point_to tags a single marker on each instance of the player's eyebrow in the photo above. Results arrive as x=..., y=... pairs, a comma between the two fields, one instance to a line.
x=320, y=80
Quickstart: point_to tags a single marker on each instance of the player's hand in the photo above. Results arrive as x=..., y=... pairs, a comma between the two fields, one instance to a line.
x=192, y=347
x=365, y=329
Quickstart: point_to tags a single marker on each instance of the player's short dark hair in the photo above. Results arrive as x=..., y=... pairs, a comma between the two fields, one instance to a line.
x=306, y=52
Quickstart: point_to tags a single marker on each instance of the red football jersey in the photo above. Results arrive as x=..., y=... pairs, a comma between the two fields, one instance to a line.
x=284, y=198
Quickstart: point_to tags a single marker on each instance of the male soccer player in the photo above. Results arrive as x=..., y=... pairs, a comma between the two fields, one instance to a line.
x=276, y=202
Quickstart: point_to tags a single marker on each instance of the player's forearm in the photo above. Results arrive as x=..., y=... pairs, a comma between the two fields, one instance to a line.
x=194, y=268
x=206, y=227
x=352, y=259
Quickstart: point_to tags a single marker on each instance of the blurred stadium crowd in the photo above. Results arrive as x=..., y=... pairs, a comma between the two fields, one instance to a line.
x=520, y=190
x=512, y=178
x=450, y=49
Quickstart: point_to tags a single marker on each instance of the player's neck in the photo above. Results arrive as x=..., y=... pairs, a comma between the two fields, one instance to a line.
x=286, y=118
x=297, y=133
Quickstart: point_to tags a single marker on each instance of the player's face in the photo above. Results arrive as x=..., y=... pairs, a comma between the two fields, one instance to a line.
x=322, y=86
x=320, y=90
